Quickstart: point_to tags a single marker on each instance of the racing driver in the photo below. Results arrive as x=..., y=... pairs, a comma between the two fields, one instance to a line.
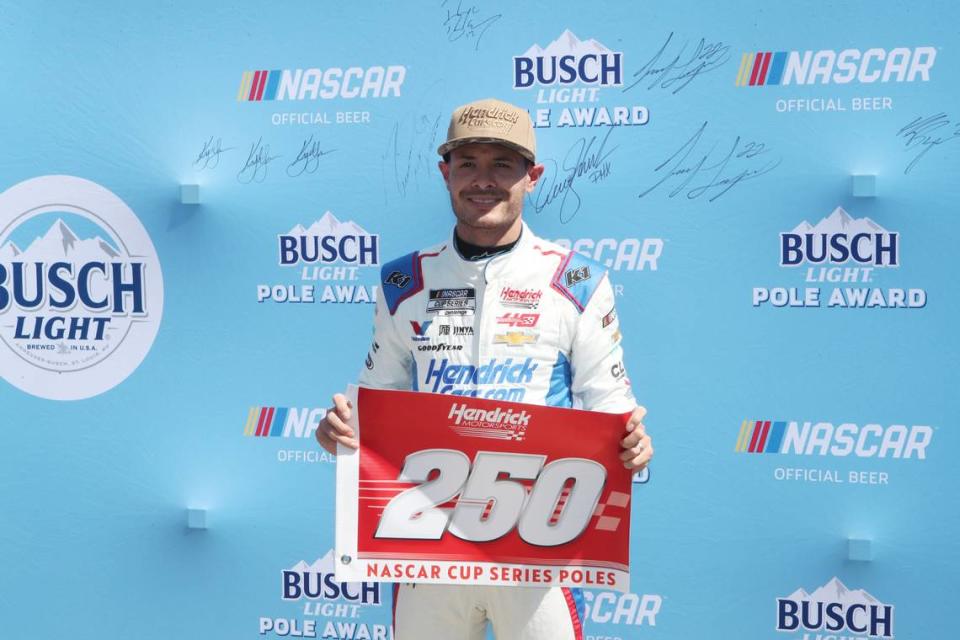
x=495, y=312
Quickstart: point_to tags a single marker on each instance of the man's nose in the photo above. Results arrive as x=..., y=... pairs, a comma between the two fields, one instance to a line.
x=483, y=178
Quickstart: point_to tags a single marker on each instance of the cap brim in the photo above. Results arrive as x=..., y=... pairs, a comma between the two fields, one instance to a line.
x=450, y=145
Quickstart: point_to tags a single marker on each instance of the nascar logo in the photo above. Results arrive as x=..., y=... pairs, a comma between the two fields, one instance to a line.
x=311, y=84
x=822, y=438
x=767, y=68
x=283, y=422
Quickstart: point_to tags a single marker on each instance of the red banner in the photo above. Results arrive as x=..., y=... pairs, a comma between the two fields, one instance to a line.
x=458, y=490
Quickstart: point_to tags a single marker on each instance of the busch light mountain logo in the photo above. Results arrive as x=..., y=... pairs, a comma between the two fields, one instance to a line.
x=849, y=252
x=832, y=609
x=330, y=609
x=573, y=71
x=568, y=60
x=838, y=240
x=316, y=582
x=81, y=292
x=329, y=252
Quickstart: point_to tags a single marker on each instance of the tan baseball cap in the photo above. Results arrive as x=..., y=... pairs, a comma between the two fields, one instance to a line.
x=491, y=120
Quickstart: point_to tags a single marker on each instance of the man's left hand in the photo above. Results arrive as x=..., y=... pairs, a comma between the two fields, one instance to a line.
x=637, y=447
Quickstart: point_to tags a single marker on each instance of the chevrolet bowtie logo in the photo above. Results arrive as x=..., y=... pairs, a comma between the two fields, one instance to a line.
x=515, y=338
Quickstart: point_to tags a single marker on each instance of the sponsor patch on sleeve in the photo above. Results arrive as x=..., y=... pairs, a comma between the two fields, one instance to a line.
x=609, y=318
x=398, y=279
x=580, y=274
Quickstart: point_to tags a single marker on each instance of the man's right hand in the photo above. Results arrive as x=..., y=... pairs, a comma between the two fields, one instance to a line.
x=333, y=428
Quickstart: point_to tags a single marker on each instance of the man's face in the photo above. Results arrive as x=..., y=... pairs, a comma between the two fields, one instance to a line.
x=487, y=183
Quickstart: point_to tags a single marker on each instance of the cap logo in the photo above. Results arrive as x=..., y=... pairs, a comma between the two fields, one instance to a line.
x=496, y=118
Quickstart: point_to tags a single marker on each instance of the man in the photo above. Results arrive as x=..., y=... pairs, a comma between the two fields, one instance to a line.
x=496, y=313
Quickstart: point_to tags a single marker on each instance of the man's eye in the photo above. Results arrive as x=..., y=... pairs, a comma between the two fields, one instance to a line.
x=466, y=163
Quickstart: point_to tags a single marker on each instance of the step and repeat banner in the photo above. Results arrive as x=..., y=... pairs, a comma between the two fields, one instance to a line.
x=197, y=200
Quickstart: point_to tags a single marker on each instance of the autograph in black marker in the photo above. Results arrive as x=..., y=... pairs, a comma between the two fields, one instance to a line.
x=683, y=68
x=209, y=156
x=466, y=23
x=697, y=174
x=411, y=154
x=926, y=133
x=585, y=158
x=255, y=167
x=308, y=158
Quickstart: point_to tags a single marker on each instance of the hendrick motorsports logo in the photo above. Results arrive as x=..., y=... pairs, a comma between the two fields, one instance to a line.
x=81, y=292
x=829, y=66
x=833, y=609
x=329, y=251
x=331, y=609
x=849, y=252
x=496, y=378
x=495, y=423
x=573, y=71
x=299, y=424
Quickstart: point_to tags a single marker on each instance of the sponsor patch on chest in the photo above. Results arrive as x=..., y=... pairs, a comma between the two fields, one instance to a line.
x=520, y=298
x=452, y=302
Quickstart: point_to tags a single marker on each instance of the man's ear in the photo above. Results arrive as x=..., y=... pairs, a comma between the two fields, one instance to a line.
x=445, y=170
x=534, y=172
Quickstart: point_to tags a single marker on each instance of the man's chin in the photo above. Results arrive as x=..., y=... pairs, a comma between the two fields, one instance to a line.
x=483, y=210
x=483, y=218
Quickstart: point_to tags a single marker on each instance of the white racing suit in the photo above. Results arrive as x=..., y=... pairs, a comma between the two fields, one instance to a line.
x=536, y=325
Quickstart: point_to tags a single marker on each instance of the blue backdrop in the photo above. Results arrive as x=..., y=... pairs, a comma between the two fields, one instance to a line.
x=800, y=402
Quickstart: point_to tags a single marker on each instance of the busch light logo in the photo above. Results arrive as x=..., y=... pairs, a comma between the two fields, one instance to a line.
x=328, y=241
x=329, y=251
x=833, y=608
x=841, y=249
x=317, y=582
x=330, y=608
x=81, y=292
x=570, y=71
x=840, y=239
x=568, y=60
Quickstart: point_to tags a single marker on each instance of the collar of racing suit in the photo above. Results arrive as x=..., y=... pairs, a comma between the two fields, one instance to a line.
x=493, y=267
x=475, y=252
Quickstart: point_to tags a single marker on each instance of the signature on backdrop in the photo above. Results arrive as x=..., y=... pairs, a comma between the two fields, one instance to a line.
x=587, y=159
x=676, y=65
x=706, y=166
x=410, y=157
x=256, y=165
x=465, y=21
x=922, y=134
